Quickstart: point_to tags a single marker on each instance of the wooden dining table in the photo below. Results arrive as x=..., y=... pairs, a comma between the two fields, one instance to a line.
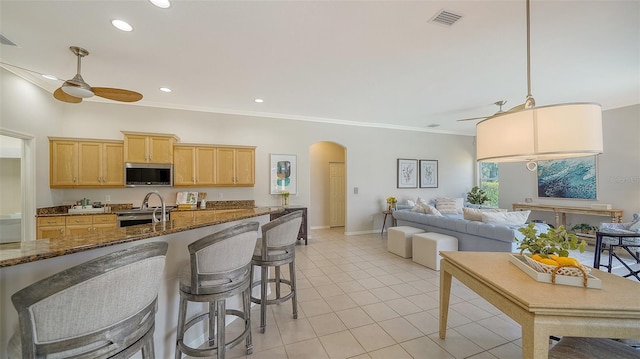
x=543, y=309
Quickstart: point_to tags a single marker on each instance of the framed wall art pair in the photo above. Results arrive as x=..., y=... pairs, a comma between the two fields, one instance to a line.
x=414, y=173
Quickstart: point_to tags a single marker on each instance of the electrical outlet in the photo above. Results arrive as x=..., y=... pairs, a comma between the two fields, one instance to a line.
x=355, y=190
x=220, y=195
x=107, y=198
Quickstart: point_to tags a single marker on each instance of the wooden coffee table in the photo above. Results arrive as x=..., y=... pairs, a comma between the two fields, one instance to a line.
x=543, y=309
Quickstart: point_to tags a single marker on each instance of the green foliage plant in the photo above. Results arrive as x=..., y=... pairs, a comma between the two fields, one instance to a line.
x=556, y=241
x=477, y=196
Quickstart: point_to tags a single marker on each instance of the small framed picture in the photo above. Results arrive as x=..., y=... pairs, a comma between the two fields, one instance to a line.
x=407, y=173
x=284, y=172
x=428, y=174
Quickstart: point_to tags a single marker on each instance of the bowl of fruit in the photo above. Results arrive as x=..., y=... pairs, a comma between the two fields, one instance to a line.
x=549, y=252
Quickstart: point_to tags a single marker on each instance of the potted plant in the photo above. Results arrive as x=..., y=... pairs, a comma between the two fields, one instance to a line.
x=551, y=248
x=391, y=203
x=477, y=196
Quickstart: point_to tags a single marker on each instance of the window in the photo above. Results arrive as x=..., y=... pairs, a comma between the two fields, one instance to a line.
x=489, y=181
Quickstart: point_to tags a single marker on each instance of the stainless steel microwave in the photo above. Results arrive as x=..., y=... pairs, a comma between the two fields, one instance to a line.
x=148, y=174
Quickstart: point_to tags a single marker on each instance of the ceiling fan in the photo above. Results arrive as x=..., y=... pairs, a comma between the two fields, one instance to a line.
x=500, y=112
x=74, y=90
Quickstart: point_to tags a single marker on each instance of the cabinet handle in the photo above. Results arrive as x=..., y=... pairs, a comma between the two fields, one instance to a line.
x=74, y=179
x=61, y=230
x=51, y=222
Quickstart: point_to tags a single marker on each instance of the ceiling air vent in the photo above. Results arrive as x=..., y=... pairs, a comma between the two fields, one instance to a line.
x=445, y=17
x=5, y=41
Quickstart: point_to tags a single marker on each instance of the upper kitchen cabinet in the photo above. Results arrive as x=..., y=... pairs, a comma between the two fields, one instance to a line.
x=148, y=147
x=235, y=166
x=193, y=165
x=85, y=163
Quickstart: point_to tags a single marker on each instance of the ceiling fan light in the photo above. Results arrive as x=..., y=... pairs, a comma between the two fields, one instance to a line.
x=77, y=90
x=122, y=25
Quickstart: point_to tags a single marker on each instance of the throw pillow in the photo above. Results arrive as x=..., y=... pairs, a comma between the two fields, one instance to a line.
x=410, y=203
x=475, y=214
x=429, y=209
x=447, y=206
x=418, y=208
x=635, y=226
x=517, y=217
x=421, y=201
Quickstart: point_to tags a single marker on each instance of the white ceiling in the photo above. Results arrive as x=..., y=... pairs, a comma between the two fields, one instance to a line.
x=380, y=63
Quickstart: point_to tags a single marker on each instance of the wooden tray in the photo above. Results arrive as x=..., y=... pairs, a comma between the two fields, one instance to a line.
x=520, y=262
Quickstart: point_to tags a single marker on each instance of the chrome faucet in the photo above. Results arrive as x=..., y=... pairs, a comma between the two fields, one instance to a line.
x=145, y=205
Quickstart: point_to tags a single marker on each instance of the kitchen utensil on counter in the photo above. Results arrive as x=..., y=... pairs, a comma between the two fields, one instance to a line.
x=97, y=204
x=84, y=202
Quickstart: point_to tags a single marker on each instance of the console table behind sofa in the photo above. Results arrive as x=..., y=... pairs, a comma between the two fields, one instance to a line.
x=614, y=214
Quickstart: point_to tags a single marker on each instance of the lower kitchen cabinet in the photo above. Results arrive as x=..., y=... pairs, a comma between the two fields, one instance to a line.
x=59, y=226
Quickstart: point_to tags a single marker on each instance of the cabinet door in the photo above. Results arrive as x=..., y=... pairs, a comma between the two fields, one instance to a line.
x=183, y=162
x=113, y=164
x=135, y=148
x=160, y=149
x=78, y=230
x=104, y=219
x=244, y=166
x=89, y=164
x=51, y=232
x=204, y=216
x=224, y=163
x=205, y=159
x=63, y=170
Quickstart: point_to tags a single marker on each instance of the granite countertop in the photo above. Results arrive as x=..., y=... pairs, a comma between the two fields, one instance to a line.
x=30, y=251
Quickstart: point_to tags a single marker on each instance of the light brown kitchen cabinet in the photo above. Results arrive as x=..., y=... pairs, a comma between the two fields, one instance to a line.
x=193, y=165
x=203, y=216
x=235, y=166
x=85, y=163
x=63, y=163
x=56, y=227
x=148, y=147
x=50, y=227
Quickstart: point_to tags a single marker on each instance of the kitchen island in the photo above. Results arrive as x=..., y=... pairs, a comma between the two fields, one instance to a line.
x=22, y=264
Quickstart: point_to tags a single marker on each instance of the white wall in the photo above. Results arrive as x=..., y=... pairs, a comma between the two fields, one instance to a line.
x=371, y=152
x=618, y=170
x=10, y=186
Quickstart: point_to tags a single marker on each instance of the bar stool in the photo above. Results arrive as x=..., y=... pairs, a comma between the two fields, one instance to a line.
x=102, y=308
x=274, y=249
x=219, y=269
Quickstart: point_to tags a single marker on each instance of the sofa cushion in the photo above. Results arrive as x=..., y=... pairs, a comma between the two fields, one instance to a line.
x=475, y=214
x=426, y=209
x=508, y=218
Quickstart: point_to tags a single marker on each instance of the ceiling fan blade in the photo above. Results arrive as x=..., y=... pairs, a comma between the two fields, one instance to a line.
x=117, y=94
x=516, y=108
x=64, y=97
x=474, y=118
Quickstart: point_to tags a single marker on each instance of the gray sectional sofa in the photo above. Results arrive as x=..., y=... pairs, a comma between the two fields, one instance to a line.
x=471, y=235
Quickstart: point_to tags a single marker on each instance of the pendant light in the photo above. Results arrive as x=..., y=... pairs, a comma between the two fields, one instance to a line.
x=535, y=133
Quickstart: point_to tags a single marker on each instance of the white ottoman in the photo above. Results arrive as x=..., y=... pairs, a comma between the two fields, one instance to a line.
x=399, y=240
x=427, y=247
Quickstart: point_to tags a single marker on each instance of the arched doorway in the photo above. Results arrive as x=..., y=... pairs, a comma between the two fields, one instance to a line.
x=328, y=185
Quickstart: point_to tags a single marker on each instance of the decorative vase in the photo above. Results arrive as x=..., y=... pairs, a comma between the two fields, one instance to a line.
x=285, y=201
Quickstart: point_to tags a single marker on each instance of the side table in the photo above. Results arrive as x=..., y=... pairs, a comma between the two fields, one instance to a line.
x=384, y=221
x=625, y=241
x=302, y=234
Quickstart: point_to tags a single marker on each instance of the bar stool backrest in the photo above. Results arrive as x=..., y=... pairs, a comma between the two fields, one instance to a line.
x=219, y=260
x=279, y=236
x=96, y=309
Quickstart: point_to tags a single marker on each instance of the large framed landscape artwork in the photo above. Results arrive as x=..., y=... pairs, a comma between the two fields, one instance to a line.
x=568, y=178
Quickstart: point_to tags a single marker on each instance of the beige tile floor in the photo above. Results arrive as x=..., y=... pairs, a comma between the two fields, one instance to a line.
x=356, y=300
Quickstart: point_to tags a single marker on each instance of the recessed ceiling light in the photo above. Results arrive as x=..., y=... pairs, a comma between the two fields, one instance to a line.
x=258, y=100
x=165, y=89
x=122, y=25
x=433, y=125
x=50, y=77
x=164, y=4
